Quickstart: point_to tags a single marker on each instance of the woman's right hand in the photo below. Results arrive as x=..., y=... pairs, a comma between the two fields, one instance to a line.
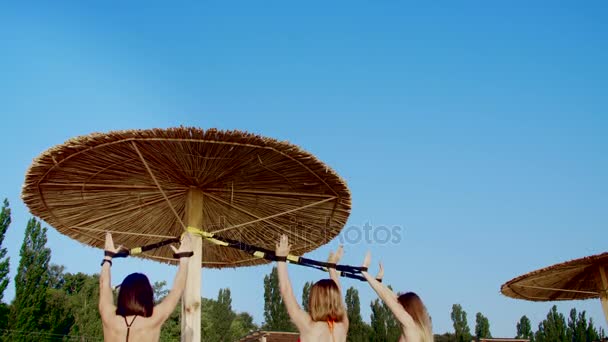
x=334, y=258
x=367, y=260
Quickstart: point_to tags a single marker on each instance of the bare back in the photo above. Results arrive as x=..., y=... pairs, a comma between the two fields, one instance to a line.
x=142, y=329
x=320, y=332
x=411, y=334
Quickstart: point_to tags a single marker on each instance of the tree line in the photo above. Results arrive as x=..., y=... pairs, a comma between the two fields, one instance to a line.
x=53, y=305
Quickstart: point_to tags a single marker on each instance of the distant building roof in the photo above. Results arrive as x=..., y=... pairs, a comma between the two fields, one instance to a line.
x=270, y=336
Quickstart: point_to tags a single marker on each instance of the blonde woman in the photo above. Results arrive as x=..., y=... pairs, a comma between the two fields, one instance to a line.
x=326, y=320
x=408, y=308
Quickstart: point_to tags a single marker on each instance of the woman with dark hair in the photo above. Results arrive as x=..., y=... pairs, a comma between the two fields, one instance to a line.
x=407, y=308
x=326, y=319
x=135, y=317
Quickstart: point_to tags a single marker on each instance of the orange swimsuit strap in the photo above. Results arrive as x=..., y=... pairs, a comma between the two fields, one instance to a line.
x=330, y=324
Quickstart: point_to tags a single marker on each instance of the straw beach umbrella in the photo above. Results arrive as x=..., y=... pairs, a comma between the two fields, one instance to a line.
x=583, y=278
x=145, y=186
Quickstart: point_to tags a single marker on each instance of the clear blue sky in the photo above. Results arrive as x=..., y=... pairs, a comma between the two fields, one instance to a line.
x=477, y=127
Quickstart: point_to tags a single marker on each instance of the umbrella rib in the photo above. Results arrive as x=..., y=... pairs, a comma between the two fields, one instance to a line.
x=158, y=185
x=98, y=185
x=555, y=289
x=251, y=214
x=258, y=219
x=126, y=210
x=569, y=284
x=279, y=193
x=122, y=233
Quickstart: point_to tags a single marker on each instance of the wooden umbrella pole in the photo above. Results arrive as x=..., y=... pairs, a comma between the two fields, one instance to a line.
x=191, y=299
x=604, y=291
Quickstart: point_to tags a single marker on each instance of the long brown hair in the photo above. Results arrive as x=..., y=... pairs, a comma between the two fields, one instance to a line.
x=412, y=303
x=325, y=302
x=135, y=296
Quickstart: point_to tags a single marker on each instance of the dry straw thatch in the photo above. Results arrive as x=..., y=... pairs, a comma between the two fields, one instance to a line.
x=134, y=184
x=575, y=279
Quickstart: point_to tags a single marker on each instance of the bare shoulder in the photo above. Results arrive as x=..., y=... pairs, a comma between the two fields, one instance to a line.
x=320, y=332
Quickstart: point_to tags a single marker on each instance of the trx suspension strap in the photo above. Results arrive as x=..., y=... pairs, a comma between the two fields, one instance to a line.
x=270, y=255
x=137, y=250
x=263, y=253
x=258, y=252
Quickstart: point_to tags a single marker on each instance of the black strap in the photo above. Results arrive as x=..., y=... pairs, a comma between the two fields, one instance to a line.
x=345, y=270
x=129, y=325
x=123, y=253
x=106, y=260
x=183, y=255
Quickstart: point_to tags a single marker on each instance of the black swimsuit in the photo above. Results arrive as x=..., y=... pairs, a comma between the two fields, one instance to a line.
x=129, y=325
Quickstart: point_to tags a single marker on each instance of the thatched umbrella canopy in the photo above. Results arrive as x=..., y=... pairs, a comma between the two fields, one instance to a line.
x=583, y=278
x=135, y=184
x=146, y=186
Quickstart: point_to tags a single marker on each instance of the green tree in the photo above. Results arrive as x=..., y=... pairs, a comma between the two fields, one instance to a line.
x=85, y=302
x=384, y=326
x=306, y=294
x=56, y=276
x=578, y=330
x=358, y=331
x=461, y=327
x=207, y=329
x=160, y=291
x=31, y=281
x=276, y=317
x=58, y=318
x=592, y=334
x=553, y=328
x=482, y=326
x=524, y=328
x=242, y=324
x=5, y=221
x=223, y=315
x=378, y=322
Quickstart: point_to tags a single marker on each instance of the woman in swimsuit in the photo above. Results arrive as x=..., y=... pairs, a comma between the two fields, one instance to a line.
x=407, y=308
x=135, y=318
x=326, y=320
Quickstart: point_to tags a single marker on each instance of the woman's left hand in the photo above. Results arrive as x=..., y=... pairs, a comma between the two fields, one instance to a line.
x=283, y=247
x=185, y=244
x=380, y=274
x=109, y=245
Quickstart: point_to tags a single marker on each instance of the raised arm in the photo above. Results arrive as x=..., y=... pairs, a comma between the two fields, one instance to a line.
x=334, y=258
x=388, y=296
x=333, y=274
x=107, y=309
x=299, y=317
x=379, y=277
x=164, y=309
